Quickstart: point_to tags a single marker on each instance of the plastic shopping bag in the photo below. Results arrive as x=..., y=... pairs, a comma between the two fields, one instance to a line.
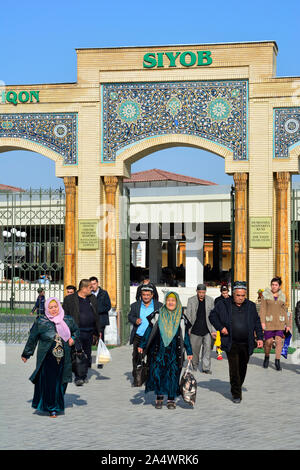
x=285, y=348
x=188, y=386
x=103, y=354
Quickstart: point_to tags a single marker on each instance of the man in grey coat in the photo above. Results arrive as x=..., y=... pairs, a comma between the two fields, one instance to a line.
x=202, y=331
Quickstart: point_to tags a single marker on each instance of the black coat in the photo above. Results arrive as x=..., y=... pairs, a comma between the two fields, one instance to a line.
x=134, y=314
x=103, y=307
x=71, y=307
x=42, y=334
x=150, y=343
x=221, y=316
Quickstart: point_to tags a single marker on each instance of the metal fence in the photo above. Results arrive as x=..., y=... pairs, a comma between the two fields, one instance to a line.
x=32, y=227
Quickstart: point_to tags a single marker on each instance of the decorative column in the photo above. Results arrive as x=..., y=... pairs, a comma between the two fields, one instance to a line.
x=194, y=257
x=282, y=230
x=70, y=248
x=241, y=227
x=111, y=183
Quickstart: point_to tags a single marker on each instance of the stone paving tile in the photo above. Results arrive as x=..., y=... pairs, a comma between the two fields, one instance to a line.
x=108, y=414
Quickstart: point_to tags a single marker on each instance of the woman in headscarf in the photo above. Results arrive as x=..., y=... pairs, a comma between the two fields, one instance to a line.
x=164, y=342
x=54, y=334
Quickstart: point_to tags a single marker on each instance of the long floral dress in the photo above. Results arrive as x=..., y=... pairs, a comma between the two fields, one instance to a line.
x=164, y=370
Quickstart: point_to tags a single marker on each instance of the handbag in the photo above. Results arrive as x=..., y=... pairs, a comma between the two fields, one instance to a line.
x=142, y=371
x=80, y=363
x=188, y=385
x=103, y=354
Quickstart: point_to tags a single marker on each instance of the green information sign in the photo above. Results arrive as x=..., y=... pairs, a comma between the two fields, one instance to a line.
x=260, y=232
x=88, y=238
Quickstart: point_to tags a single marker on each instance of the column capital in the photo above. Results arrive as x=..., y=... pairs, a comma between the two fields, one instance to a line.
x=70, y=183
x=240, y=181
x=283, y=180
x=111, y=183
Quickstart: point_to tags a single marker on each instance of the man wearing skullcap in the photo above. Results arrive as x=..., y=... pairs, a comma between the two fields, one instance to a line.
x=238, y=322
x=139, y=311
x=202, y=331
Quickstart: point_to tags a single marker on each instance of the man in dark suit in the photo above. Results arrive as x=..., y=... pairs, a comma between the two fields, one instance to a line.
x=239, y=324
x=103, y=307
x=139, y=311
x=82, y=306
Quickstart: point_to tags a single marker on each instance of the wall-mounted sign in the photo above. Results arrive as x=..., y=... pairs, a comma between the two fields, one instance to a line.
x=173, y=59
x=88, y=238
x=260, y=232
x=23, y=96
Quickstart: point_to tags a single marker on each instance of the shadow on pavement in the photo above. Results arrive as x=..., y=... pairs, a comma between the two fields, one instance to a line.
x=217, y=386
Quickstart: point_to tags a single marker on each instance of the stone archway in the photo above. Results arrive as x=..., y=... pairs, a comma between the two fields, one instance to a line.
x=53, y=135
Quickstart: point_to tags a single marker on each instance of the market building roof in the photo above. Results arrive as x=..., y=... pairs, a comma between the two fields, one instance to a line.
x=10, y=189
x=164, y=178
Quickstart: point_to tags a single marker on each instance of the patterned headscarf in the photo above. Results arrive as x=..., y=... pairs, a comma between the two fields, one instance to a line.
x=168, y=321
x=61, y=326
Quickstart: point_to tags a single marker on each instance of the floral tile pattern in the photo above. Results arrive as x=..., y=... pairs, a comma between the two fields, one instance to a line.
x=214, y=110
x=286, y=130
x=57, y=131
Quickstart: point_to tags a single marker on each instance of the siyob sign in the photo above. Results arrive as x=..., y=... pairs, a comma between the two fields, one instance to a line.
x=173, y=59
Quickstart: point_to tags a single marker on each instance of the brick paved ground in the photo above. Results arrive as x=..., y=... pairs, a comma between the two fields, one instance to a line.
x=108, y=414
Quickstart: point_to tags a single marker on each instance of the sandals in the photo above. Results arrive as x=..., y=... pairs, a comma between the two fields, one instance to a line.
x=158, y=404
x=171, y=405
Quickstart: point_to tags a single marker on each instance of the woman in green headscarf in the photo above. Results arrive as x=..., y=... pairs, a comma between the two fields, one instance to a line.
x=164, y=342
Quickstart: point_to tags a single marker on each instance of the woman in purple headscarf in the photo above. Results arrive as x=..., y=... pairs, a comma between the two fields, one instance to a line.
x=54, y=334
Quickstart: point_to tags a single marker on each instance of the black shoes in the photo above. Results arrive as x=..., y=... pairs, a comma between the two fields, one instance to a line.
x=79, y=382
x=266, y=362
x=236, y=400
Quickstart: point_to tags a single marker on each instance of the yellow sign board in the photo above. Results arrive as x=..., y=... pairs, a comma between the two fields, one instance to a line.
x=88, y=238
x=260, y=232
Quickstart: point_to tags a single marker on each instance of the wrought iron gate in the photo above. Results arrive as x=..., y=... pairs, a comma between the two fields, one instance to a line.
x=31, y=255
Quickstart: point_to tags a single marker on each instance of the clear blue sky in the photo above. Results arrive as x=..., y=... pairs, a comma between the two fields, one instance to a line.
x=38, y=41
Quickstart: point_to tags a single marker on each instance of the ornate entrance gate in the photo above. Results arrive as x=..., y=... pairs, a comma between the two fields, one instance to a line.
x=31, y=255
x=130, y=102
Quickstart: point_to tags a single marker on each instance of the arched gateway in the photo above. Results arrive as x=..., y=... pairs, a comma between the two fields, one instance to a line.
x=129, y=102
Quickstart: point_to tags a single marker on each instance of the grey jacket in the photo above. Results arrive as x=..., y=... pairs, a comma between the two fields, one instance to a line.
x=192, y=307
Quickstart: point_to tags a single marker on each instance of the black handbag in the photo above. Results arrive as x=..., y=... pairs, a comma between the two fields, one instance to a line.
x=142, y=372
x=80, y=363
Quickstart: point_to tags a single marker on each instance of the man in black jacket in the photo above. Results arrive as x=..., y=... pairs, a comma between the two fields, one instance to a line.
x=82, y=306
x=238, y=321
x=139, y=311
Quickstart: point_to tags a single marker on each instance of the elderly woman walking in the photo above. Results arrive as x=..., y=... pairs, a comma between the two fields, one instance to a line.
x=274, y=320
x=164, y=342
x=54, y=334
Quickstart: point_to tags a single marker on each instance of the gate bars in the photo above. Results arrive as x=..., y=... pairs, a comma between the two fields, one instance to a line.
x=32, y=225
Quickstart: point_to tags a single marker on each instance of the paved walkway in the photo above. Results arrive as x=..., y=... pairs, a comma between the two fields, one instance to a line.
x=108, y=414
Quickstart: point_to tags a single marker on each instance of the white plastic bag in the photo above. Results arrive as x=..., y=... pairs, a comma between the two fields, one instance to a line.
x=103, y=354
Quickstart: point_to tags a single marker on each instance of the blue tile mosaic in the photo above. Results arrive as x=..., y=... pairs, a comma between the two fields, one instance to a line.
x=213, y=110
x=57, y=131
x=286, y=130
